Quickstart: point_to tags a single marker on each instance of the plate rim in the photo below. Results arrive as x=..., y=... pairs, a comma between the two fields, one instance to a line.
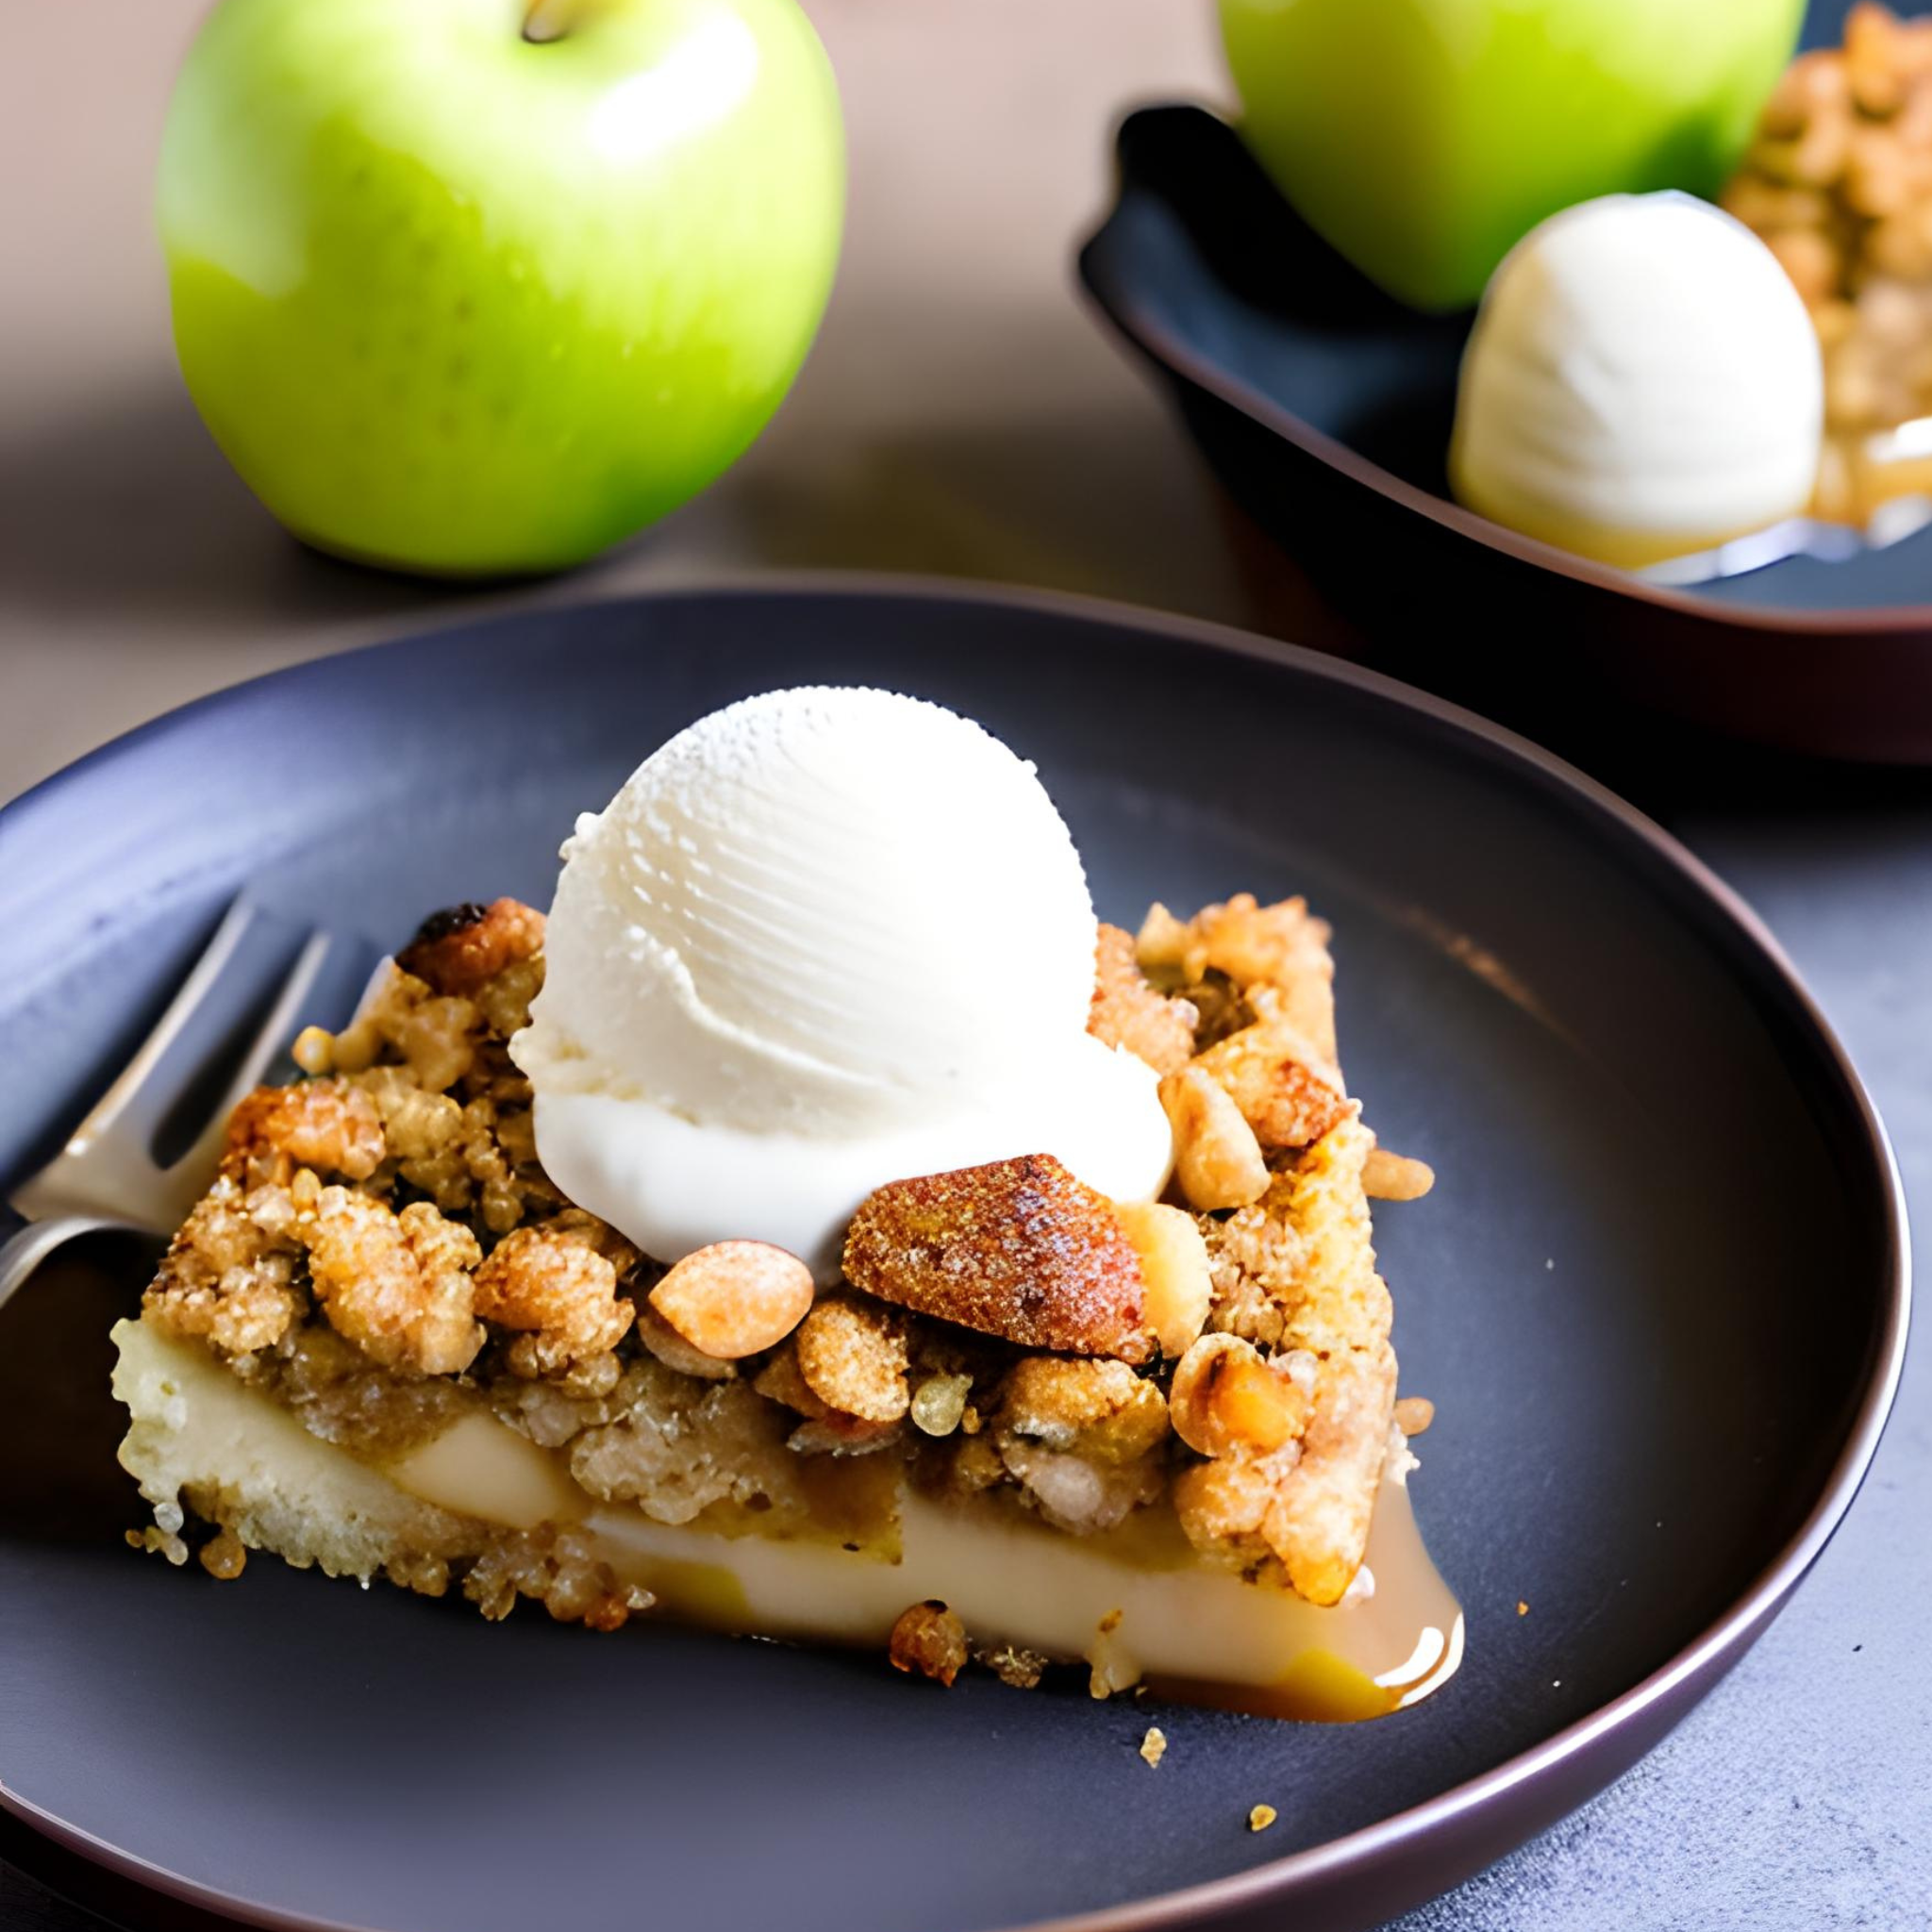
x=1169, y=354
x=1707, y=1655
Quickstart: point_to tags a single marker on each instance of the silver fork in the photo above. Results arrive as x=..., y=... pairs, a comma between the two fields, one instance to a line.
x=108, y=1175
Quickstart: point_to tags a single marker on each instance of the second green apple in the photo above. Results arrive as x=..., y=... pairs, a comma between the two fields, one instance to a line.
x=1423, y=138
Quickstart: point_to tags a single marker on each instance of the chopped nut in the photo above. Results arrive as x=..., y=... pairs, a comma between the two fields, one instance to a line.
x=674, y=1352
x=1179, y=1286
x=1227, y=1400
x=550, y=1281
x=1130, y=1012
x=1217, y=1161
x=455, y=952
x=1395, y=1177
x=852, y=1355
x=1262, y=1817
x=1154, y=1745
x=1413, y=1414
x=1283, y=1089
x=928, y=1641
x=735, y=1298
x=1017, y=1248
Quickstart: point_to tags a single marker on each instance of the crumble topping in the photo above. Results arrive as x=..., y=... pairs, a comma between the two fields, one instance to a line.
x=928, y=1641
x=1129, y=1011
x=382, y=1254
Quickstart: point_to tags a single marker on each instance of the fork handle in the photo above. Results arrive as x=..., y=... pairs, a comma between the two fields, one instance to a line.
x=23, y=1251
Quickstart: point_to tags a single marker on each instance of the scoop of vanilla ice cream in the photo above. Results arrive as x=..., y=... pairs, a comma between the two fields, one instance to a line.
x=1643, y=380
x=822, y=940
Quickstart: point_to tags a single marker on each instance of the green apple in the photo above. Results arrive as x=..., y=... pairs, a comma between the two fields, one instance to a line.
x=466, y=288
x=1424, y=137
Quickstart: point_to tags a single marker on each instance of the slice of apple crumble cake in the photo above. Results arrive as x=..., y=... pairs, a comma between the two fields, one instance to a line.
x=1026, y=1421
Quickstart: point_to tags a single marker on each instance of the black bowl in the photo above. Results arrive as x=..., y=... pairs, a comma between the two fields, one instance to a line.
x=1652, y=1155
x=1325, y=407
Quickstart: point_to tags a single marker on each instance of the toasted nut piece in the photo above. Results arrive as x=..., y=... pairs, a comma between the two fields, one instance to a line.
x=928, y=1641
x=1130, y=1012
x=457, y=950
x=1227, y=1400
x=1173, y=1261
x=1395, y=1177
x=735, y=1298
x=1284, y=1090
x=674, y=1352
x=1413, y=1414
x=1217, y=1160
x=852, y=1355
x=1016, y=1248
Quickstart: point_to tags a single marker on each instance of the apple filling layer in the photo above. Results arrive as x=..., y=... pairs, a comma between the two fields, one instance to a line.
x=1027, y=1426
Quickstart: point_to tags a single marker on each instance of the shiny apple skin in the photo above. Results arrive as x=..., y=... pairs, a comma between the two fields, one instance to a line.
x=459, y=302
x=1423, y=138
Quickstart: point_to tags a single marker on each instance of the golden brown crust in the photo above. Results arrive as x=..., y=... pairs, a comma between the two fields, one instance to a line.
x=1129, y=1011
x=852, y=1355
x=397, y=1286
x=1279, y=953
x=326, y=1125
x=1317, y=1522
x=1284, y=1091
x=1017, y=1248
x=458, y=951
x=550, y=1284
x=227, y=1277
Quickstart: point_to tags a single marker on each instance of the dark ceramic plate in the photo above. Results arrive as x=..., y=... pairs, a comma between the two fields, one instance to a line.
x=1655, y=1168
x=1325, y=407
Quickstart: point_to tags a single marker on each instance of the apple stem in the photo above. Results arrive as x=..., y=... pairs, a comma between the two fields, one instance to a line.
x=547, y=20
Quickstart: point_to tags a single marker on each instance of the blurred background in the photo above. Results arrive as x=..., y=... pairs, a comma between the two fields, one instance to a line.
x=960, y=413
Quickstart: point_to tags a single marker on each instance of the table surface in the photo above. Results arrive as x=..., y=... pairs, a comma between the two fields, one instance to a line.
x=962, y=415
